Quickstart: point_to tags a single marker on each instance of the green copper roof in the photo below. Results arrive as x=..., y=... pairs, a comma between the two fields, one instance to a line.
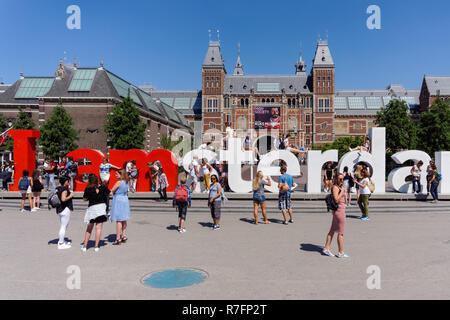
x=122, y=88
x=34, y=87
x=82, y=80
x=151, y=104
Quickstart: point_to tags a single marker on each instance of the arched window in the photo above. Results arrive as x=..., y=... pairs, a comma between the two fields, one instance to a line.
x=273, y=100
x=246, y=102
x=289, y=102
x=242, y=102
x=263, y=100
x=293, y=102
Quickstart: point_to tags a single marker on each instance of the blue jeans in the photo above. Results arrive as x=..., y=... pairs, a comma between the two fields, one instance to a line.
x=51, y=177
x=416, y=185
x=434, y=190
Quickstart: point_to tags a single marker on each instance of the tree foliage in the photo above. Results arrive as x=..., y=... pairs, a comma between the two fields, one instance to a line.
x=401, y=131
x=124, y=127
x=434, y=127
x=57, y=133
x=167, y=142
x=23, y=122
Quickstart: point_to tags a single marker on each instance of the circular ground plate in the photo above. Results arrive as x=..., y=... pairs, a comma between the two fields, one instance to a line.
x=175, y=278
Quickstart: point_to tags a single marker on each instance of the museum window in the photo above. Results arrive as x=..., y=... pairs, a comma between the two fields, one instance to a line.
x=273, y=100
x=308, y=141
x=212, y=125
x=289, y=103
x=246, y=102
x=324, y=125
x=293, y=102
x=212, y=105
x=308, y=118
x=308, y=129
x=242, y=103
x=324, y=137
x=357, y=126
x=263, y=100
x=324, y=105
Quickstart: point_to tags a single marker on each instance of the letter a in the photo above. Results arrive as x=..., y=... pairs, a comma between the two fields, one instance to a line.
x=74, y=280
x=73, y=21
x=374, y=21
x=374, y=281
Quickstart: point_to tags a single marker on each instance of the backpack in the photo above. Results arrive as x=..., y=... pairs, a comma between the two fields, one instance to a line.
x=181, y=194
x=371, y=186
x=331, y=203
x=72, y=168
x=134, y=173
x=439, y=177
x=53, y=198
x=24, y=183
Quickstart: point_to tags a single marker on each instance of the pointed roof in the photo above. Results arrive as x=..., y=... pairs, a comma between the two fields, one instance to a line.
x=438, y=84
x=213, y=56
x=238, y=69
x=323, y=56
x=300, y=66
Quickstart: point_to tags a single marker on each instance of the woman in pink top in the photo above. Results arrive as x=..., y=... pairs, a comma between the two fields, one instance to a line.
x=338, y=225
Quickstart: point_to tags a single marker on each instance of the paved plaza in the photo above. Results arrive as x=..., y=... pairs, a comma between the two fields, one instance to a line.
x=243, y=261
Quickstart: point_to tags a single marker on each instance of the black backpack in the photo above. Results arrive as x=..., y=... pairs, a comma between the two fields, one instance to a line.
x=331, y=203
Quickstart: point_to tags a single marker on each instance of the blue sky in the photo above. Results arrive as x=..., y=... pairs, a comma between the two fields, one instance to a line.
x=163, y=43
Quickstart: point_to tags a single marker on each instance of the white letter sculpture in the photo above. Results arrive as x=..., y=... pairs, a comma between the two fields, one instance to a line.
x=397, y=176
x=377, y=158
x=316, y=159
x=442, y=164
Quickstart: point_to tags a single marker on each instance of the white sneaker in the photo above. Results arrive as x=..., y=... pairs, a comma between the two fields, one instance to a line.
x=64, y=246
x=22, y=210
x=96, y=249
x=183, y=230
x=68, y=242
x=343, y=255
x=83, y=248
x=328, y=253
x=33, y=210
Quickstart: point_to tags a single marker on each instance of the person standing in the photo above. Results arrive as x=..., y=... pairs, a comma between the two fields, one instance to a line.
x=97, y=195
x=7, y=174
x=134, y=174
x=105, y=171
x=415, y=171
x=154, y=170
x=259, y=198
x=25, y=186
x=120, y=209
x=205, y=173
x=429, y=176
x=163, y=184
x=328, y=177
x=71, y=171
x=434, y=183
x=51, y=170
x=193, y=176
x=62, y=167
x=284, y=198
x=215, y=201
x=37, y=189
x=364, y=194
x=182, y=200
x=64, y=210
x=338, y=224
x=348, y=185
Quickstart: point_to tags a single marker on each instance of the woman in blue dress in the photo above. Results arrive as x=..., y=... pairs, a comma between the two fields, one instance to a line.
x=120, y=209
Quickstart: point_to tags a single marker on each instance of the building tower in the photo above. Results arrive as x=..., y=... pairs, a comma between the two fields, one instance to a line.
x=323, y=89
x=239, y=68
x=213, y=79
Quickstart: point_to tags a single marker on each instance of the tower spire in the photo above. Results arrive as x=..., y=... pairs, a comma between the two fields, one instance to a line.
x=300, y=66
x=238, y=69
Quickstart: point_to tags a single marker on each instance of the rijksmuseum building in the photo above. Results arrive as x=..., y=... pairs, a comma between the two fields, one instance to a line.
x=304, y=104
x=310, y=109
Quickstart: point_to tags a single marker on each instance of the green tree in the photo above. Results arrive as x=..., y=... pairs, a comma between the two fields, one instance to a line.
x=58, y=134
x=124, y=127
x=23, y=122
x=167, y=142
x=434, y=127
x=401, y=131
x=341, y=144
x=7, y=145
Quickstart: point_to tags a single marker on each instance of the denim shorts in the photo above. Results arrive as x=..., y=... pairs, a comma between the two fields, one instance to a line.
x=257, y=197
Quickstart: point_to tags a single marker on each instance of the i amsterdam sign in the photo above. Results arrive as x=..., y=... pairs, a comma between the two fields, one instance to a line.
x=25, y=158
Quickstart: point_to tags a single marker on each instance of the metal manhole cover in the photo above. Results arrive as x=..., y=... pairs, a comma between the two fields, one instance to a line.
x=175, y=278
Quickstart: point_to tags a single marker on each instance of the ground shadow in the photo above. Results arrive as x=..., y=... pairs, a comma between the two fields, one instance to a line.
x=311, y=248
x=91, y=243
x=172, y=227
x=276, y=221
x=421, y=197
x=252, y=221
x=206, y=224
x=353, y=217
x=55, y=241
x=111, y=237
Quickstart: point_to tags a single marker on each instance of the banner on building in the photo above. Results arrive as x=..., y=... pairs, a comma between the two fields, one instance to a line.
x=267, y=118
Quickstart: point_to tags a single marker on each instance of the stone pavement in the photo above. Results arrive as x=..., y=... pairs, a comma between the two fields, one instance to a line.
x=243, y=261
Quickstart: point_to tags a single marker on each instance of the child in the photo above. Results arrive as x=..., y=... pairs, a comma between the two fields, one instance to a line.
x=37, y=188
x=25, y=185
x=163, y=184
x=182, y=199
